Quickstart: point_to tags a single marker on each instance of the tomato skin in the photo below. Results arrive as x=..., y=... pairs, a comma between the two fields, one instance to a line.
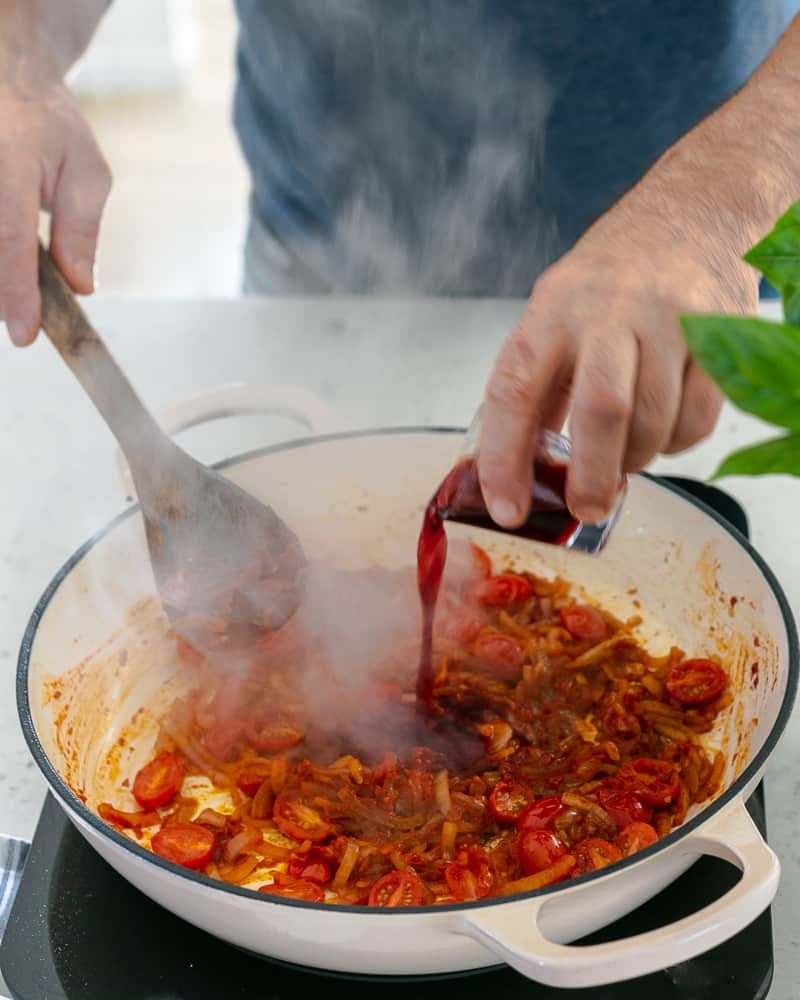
x=187, y=653
x=299, y=821
x=541, y=814
x=509, y=799
x=158, y=782
x=186, y=844
x=299, y=888
x=538, y=849
x=695, y=682
x=624, y=807
x=654, y=781
x=309, y=870
x=222, y=738
x=469, y=876
x=584, y=622
x=250, y=781
x=396, y=889
x=499, y=651
x=635, y=837
x=594, y=853
x=481, y=559
x=503, y=590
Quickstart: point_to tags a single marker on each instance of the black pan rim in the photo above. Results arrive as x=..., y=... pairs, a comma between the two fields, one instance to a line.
x=64, y=793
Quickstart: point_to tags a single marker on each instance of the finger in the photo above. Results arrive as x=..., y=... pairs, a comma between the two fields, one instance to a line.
x=80, y=195
x=659, y=387
x=699, y=410
x=19, y=221
x=529, y=370
x=605, y=382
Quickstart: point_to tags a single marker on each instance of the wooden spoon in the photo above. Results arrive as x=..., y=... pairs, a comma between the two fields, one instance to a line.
x=226, y=566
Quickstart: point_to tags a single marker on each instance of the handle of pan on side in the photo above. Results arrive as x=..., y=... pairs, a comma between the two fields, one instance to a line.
x=513, y=932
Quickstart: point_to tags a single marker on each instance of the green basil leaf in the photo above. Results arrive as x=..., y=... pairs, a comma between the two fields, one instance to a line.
x=755, y=362
x=779, y=456
x=777, y=256
x=791, y=304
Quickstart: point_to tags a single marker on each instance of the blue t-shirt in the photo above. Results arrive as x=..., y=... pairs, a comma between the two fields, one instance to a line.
x=459, y=146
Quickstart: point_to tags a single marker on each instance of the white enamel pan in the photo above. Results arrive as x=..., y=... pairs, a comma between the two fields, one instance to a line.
x=355, y=499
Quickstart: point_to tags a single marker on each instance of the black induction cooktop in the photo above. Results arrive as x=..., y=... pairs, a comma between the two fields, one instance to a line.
x=78, y=931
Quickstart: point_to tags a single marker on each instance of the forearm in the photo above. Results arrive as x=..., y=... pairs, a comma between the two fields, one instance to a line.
x=41, y=39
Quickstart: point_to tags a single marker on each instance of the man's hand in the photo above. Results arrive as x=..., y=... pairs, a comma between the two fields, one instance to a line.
x=600, y=334
x=48, y=157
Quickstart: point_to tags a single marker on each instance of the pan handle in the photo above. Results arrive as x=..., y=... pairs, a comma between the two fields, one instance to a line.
x=513, y=932
x=236, y=399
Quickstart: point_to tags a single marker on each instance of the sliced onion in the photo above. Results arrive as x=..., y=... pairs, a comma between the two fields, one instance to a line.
x=212, y=818
x=346, y=865
x=241, y=842
x=449, y=834
x=441, y=788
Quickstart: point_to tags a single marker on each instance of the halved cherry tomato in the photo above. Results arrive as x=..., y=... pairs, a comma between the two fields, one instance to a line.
x=503, y=590
x=310, y=870
x=508, y=799
x=624, y=807
x=222, y=738
x=634, y=837
x=584, y=622
x=654, y=781
x=396, y=889
x=157, y=782
x=696, y=681
x=538, y=849
x=186, y=844
x=499, y=651
x=299, y=821
x=297, y=889
x=469, y=876
x=482, y=560
x=462, y=626
x=594, y=853
x=249, y=781
x=541, y=814
x=271, y=736
x=188, y=653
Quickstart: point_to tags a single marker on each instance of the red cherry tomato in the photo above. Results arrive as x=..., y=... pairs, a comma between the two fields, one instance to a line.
x=635, y=837
x=310, y=870
x=538, y=849
x=300, y=822
x=694, y=682
x=158, y=782
x=624, y=807
x=499, y=651
x=595, y=853
x=503, y=590
x=508, y=800
x=462, y=626
x=541, y=814
x=188, y=653
x=299, y=888
x=186, y=844
x=221, y=740
x=654, y=781
x=396, y=889
x=469, y=876
x=584, y=622
x=249, y=781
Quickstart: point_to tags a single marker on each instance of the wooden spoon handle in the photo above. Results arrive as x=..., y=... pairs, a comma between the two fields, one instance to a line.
x=82, y=348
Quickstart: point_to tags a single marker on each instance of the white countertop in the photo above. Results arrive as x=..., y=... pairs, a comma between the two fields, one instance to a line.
x=372, y=363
